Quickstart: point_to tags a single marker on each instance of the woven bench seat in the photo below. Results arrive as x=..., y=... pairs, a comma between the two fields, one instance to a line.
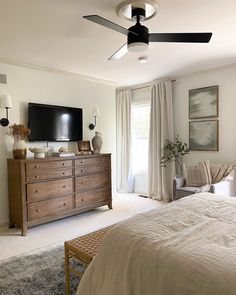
x=82, y=249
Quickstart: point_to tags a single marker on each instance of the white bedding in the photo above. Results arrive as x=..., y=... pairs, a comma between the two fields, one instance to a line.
x=186, y=247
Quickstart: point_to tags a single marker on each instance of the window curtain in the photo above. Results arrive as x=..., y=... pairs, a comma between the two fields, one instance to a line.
x=161, y=128
x=123, y=141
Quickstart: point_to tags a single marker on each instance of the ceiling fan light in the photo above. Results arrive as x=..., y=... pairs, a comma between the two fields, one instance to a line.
x=137, y=47
x=142, y=59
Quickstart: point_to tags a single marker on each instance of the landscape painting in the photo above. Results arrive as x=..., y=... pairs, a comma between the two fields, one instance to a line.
x=203, y=102
x=203, y=135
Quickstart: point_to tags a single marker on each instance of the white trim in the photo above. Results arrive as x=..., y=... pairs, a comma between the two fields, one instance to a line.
x=55, y=71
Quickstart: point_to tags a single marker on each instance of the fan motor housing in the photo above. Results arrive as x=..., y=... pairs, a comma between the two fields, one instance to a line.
x=142, y=37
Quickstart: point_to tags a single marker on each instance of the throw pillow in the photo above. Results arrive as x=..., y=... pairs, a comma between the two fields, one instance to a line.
x=219, y=171
x=197, y=175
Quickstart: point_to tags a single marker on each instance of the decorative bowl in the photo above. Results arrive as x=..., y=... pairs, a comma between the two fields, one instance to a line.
x=39, y=152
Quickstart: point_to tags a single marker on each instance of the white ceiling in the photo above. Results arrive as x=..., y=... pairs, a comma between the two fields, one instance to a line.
x=53, y=34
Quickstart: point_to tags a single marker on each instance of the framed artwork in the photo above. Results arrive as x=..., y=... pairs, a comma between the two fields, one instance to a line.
x=203, y=102
x=204, y=135
x=84, y=147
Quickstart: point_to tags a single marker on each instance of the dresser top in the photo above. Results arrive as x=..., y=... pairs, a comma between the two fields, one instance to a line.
x=61, y=158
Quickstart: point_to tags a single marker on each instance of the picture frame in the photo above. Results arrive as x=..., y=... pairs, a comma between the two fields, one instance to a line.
x=84, y=147
x=204, y=102
x=204, y=135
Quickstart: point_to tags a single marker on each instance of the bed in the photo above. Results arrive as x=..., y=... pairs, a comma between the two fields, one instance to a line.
x=186, y=247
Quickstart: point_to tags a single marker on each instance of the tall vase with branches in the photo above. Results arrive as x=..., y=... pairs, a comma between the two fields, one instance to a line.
x=19, y=132
x=174, y=152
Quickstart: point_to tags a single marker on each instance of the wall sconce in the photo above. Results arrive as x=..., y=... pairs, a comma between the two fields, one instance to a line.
x=5, y=102
x=95, y=114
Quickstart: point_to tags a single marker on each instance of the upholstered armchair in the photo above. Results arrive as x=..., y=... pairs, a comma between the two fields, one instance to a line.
x=205, y=177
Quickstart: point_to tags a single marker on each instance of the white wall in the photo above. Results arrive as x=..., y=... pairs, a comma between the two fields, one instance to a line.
x=29, y=85
x=226, y=79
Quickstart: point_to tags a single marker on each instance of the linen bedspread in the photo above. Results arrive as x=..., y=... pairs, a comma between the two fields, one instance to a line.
x=186, y=247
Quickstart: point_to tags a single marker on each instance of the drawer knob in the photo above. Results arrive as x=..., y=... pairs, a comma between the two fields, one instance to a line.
x=36, y=166
x=81, y=162
x=36, y=191
x=82, y=200
x=81, y=183
x=103, y=179
x=37, y=210
x=36, y=176
x=64, y=204
x=64, y=186
x=63, y=173
x=81, y=170
x=63, y=164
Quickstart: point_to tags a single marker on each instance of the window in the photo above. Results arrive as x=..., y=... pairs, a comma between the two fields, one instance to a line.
x=140, y=116
x=140, y=134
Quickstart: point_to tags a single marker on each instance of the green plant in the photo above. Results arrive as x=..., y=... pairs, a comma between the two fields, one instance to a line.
x=174, y=151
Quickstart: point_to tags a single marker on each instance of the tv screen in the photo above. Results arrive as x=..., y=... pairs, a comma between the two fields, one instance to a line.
x=54, y=123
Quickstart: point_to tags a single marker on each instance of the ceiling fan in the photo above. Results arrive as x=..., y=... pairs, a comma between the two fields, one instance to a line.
x=138, y=36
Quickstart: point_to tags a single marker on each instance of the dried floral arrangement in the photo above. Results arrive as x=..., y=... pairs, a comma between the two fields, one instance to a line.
x=19, y=131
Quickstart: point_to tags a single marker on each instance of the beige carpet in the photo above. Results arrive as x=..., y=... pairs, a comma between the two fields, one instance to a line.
x=56, y=232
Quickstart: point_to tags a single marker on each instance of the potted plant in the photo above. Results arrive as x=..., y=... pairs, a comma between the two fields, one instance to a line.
x=19, y=132
x=174, y=151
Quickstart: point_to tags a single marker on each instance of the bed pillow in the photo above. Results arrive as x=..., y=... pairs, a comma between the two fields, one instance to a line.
x=197, y=175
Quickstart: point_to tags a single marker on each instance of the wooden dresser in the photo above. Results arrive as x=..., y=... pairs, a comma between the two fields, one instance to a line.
x=42, y=190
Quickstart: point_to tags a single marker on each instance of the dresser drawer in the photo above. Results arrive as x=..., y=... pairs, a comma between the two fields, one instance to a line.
x=90, y=182
x=48, y=165
x=49, y=208
x=44, y=190
x=91, y=197
x=48, y=174
x=81, y=170
x=92, y=161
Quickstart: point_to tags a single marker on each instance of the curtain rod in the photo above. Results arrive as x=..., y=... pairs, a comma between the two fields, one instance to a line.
x=147, y=86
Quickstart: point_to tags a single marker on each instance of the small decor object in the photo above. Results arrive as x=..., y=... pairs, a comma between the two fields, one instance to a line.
x=19, y=133
x=174, y=151
x=204, y=135
x=62, y=149
x=97, y=143
x=84, y=147
x=63, y=152
x=39, y=152
x=203, y=102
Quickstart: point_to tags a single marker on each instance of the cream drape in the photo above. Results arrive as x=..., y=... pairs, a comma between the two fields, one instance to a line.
x=123, y=141
x=161, y=129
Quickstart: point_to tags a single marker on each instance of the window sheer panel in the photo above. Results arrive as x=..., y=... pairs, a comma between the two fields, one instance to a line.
x=140, y=116
x=140, y=132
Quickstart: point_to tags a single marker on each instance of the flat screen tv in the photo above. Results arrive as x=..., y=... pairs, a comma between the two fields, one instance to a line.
x=54, y=123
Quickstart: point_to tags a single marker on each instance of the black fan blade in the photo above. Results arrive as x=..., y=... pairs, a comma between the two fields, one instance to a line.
x=108, y=24
x=119, y=53
x=181, y=37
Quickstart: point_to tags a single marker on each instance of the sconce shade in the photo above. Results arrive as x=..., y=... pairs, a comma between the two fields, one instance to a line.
x=6, y=101
x=95, y=112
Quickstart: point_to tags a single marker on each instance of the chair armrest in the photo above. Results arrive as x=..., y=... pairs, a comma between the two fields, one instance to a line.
x=179, y=181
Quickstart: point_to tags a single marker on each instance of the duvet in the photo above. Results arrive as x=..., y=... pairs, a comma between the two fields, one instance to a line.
x=186, y=247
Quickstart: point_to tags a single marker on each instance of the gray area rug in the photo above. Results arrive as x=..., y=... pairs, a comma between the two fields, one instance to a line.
x=39, y=273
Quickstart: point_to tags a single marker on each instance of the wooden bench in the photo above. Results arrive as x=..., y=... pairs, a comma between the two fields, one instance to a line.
x=82, y=249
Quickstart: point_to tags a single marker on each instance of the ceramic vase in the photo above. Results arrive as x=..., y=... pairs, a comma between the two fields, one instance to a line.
x=97, y=143
x=19, y=149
